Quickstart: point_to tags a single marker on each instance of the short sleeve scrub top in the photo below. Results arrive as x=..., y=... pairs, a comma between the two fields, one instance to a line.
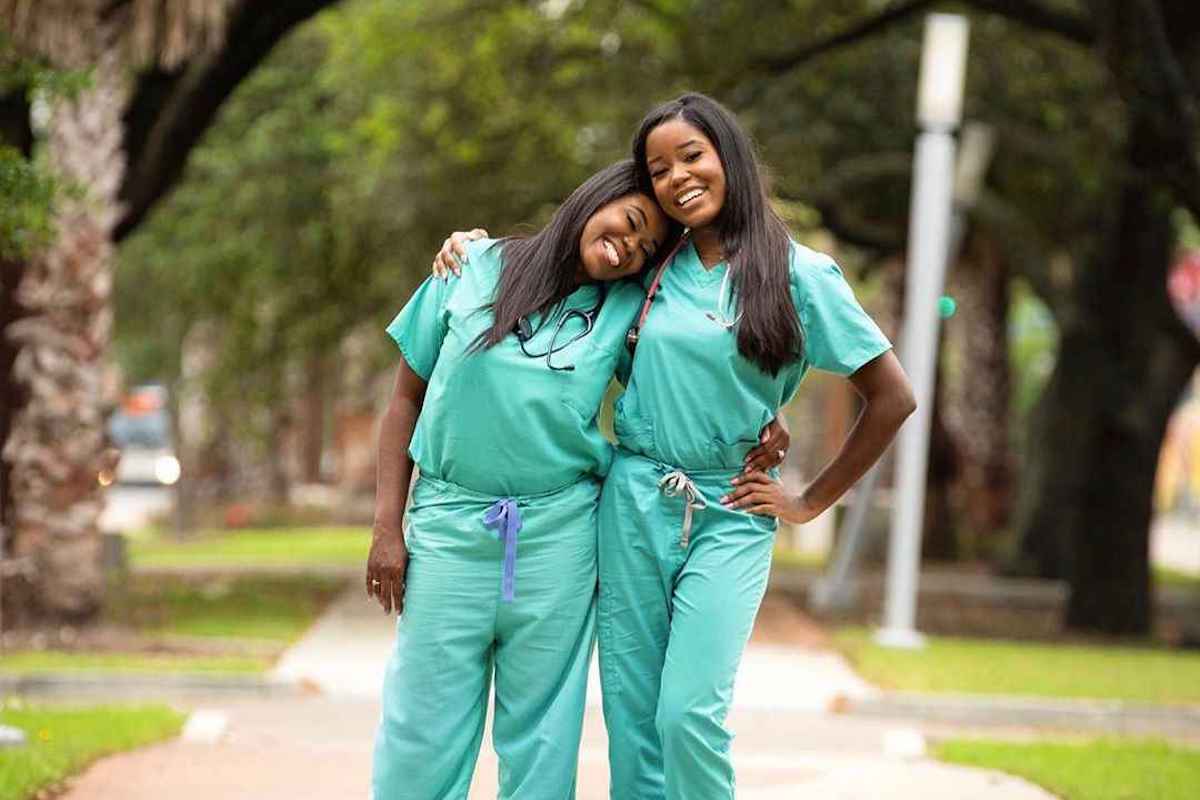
x=501, y=535
x=681, y=576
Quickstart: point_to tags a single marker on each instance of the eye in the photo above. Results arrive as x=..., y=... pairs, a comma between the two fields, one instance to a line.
x=690, y=157
x=629, y=219
x=658, y=173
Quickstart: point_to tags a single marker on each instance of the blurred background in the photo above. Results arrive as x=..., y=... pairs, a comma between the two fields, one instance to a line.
x=210, y=210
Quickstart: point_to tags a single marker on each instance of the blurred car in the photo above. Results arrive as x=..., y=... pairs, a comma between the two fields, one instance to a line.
x=141, y=430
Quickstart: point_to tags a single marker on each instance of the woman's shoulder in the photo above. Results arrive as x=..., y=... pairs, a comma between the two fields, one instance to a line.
x=810, y=270
x=485, y=253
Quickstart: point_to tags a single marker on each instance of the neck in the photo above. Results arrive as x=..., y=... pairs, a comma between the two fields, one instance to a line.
x=708, y=246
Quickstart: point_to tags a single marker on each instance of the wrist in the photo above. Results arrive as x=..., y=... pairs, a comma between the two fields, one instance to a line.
x=804, y=507
x=385, y=529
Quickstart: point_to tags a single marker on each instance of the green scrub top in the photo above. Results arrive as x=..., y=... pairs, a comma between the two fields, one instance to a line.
x=691, y=399
x=497, y=421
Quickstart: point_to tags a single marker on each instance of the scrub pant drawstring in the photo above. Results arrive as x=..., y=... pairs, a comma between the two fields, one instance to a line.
x=505, y=518
x=678, y=483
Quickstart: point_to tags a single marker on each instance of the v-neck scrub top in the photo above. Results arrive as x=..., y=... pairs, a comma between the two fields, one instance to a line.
x=498, y=421
x=681, y=575
x=692, y=400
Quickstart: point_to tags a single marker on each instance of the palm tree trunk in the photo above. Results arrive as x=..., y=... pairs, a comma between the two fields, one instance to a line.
x=57, y=440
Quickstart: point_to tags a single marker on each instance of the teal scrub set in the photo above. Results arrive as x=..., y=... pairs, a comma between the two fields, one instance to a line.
x=501, y=536
x=681, y=576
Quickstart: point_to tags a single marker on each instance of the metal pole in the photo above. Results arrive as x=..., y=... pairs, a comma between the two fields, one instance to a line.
x=939, y=106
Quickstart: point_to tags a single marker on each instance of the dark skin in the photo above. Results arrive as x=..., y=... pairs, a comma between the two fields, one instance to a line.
x=888, y=401
x=387, y=561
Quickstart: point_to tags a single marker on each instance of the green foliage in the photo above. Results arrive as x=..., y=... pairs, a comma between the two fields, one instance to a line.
x=26, y=197
x=62, y=741
x=315, y=203
x=1102, y=769
x=1033, y=344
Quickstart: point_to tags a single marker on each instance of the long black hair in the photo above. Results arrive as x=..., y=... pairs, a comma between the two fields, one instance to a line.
x=754, y=239
x=539, y=270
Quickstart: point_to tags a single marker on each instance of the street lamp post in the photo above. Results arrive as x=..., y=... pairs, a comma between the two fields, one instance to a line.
x=939, y=106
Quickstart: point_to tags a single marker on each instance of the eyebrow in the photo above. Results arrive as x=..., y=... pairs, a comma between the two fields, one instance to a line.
x=688, y=143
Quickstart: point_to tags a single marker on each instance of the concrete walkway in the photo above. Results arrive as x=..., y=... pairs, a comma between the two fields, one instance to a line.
x=318, y=745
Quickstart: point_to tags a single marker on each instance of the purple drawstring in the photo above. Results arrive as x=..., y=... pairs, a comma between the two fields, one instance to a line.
x=505, y=518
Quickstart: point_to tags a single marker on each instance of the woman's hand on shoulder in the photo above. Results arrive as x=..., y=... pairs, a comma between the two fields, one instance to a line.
x=454, y=252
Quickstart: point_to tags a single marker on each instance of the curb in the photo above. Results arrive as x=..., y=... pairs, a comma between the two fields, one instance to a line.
x=134, y=685
x=1108, y=716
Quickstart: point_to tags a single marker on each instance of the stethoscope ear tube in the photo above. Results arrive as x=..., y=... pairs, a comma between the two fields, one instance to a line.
x=631, y=338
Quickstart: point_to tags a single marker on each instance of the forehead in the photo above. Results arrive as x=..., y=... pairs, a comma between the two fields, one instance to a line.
x=672, y=135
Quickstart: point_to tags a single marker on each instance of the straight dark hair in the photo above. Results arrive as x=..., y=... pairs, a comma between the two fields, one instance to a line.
x=539, y=270
x=754, y=239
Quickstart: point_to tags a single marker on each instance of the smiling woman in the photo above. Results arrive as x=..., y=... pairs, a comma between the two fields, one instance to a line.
x=497, y=398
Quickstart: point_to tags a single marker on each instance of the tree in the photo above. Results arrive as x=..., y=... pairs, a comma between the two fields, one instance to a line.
x=1124, y=356
x=158, y=72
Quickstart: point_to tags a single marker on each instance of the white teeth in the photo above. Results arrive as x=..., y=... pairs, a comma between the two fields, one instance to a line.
x=688, y=197
x=613, y=258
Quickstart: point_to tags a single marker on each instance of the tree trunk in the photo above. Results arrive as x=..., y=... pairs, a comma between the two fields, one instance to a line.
x=312, y=443
x=1124, y=359
x=940, y=542
x=15, y=132
x=57, y=441
x=979, y=401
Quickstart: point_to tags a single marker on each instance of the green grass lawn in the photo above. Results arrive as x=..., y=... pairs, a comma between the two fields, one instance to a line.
x=1179, y=580
x=268, y=547
x=275, y=608
x=256, y=615
x=982, y=666
x=1105, y=769
x=25, y=662
x=784, y=558
x=61, y=742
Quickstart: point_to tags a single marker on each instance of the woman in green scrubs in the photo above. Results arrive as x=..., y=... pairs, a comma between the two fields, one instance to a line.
x=496, y=399
x=686, y=532
x=742, y=314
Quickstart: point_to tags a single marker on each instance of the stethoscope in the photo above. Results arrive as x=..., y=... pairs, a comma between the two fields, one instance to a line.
x=718, y=316
x=525, y=331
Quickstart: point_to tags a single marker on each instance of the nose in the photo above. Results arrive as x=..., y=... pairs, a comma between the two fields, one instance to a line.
x=630, y=244
x=678, y=174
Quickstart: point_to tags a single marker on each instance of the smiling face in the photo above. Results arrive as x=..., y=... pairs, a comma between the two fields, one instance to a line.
x=685, y=170
x=620, y=238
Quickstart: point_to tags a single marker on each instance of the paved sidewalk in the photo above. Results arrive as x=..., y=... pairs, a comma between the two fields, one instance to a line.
x=318, y=744
x=346, y=651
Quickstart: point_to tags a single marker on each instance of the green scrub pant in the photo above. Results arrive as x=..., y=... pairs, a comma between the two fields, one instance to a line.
x=457, y=629
x=673, y=623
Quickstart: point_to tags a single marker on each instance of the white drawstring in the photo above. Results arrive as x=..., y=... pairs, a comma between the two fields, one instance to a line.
x=678, y=483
